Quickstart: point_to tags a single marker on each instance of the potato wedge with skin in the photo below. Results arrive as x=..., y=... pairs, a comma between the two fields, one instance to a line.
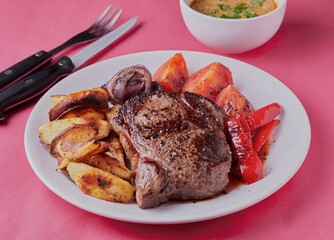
x=109, y=164
x=102, y=126
x=57, y=98
x=113, y=156
x=48, y=131
x=83, y=111
x=113, y=112
x=77, y=142
x=63, y=170
x=63, y=163
x=100, y=184
x=76, y=133
x=115, y=148
x=77, y=151
x=97, y=98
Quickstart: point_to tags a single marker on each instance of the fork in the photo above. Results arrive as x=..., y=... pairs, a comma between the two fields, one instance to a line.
x=41, y=58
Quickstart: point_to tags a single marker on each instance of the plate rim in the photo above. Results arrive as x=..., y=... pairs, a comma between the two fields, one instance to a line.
x=278, y=185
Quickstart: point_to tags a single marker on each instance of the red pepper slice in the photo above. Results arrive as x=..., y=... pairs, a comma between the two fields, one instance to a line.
x=249, y=163
x=263, y=115
x=263, y=134
x=245, y=125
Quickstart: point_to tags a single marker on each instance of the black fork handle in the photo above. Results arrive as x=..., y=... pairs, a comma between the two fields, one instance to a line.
x=33, y=85
x=23, y=68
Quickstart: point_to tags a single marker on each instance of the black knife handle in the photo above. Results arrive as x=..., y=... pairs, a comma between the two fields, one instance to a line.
x=23, y=68
x=34, y=84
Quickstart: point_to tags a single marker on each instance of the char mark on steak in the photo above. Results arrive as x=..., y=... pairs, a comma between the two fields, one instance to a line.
x=176, y=146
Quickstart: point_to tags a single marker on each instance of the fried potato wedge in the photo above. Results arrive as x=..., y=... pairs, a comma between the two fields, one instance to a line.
x=102, y=126
x=48, y=131
x=115, y=148
x=62, y=163
x=100, y=184
x=83, y=111
x=77, y=140
x=76, y=133
x=77, y=151
x=61, y=166
x=57, y=98
x=109, y=164
x=97, y=98
x=113, y=112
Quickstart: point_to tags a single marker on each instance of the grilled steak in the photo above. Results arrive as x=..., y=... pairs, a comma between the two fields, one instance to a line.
x=176, y=146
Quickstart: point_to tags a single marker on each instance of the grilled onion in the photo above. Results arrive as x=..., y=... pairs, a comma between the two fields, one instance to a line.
x=129, y=82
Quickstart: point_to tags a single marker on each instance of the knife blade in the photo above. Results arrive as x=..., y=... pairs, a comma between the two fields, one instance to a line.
x=37, y=83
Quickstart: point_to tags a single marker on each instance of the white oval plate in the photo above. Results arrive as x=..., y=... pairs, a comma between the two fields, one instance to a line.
x=286, y=154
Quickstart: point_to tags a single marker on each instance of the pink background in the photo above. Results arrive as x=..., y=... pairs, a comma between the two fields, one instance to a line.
x=300, y=55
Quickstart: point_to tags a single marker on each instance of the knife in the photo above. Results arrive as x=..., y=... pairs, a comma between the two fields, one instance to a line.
x=37, y=83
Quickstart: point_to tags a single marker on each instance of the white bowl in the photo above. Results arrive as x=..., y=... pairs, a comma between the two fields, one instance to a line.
x=232, y=35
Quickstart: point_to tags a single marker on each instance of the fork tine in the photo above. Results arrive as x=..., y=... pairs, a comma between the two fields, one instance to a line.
x=92, y=32
x=105, y=22
x=100, y=18
x=112, y=22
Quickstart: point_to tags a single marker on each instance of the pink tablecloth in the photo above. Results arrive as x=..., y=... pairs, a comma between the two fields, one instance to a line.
x=300, y=55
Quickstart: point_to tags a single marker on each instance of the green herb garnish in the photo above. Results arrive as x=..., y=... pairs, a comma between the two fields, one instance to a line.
x=224, y=7
x=258, y=3
x=249, y=13
x=232, y=14
x=240, y=7
x=231, y=17
x=212, y=13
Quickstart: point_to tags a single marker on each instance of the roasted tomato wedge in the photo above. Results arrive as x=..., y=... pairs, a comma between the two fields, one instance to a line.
x=233, y=102
x=172, y=74
x=209, y=81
